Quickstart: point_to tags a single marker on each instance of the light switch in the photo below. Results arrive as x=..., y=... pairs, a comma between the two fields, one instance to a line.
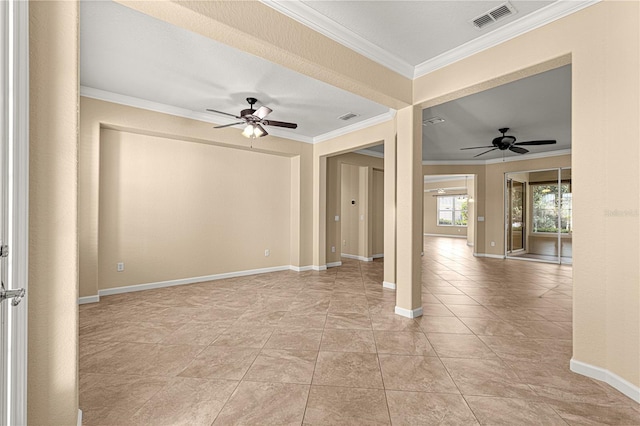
x=480, y=218
x=337, y=218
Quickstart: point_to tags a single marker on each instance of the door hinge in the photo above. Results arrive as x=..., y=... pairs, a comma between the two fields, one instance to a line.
x=4, y=250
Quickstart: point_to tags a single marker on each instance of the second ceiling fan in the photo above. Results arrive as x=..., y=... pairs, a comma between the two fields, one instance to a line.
x=505, y=142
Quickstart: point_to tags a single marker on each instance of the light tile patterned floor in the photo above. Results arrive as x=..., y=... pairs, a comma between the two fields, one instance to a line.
x=493, y=347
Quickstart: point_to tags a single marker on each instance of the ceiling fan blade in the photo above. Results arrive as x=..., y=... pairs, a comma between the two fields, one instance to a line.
x=262, y=112
x=476, y=147
x=484, y=152
x=228, y=125
x=280, y=124
x=518, y=149
x=261, y=129
x=543, y=142
x=224, y=113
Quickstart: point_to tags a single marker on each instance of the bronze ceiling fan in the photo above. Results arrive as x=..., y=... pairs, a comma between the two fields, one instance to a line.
x=254, y=120
x=505, y=142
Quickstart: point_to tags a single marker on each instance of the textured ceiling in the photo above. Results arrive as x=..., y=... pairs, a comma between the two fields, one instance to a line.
x=131, y=58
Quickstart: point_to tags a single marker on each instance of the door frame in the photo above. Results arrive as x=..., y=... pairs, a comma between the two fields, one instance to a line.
x=14, y=59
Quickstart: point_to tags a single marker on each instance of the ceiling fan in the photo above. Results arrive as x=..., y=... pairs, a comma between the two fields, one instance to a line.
x=254, y=120
x=509, y=142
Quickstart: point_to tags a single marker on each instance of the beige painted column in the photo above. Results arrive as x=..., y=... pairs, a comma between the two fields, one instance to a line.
x=389, y=280
x=319, y=213
x=52, y=380
x=410, y=183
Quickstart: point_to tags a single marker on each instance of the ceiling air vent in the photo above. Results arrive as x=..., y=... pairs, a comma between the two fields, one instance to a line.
x=493, y=15
x=347, y=116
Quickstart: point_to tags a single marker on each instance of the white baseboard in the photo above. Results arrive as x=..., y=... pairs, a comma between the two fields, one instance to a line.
x=378, y=256
x=491, y=256
x=319, y=267
x=301, y=268
x=598, y=373
x=88, y=299
x=445, y=235
x=333, y=264
x=470, y=244
x=79, y=417
x=387, y=284
x=408, y=312
x=193, y=280
x=353, y=256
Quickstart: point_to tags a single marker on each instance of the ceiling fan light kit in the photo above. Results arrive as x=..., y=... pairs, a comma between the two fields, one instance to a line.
x=505, y=142
x=254, y=119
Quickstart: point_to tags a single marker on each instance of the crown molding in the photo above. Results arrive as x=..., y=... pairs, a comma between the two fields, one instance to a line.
x=447, y=178
x=382, y=118
x=526, y=157
x=117, y=98
x=537, y=19
x=313, y=19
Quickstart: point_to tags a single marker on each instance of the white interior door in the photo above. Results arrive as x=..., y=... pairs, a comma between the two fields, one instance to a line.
x=14, y=148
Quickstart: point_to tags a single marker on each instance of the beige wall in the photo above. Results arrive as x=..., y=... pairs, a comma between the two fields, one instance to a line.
x=430, y=207
x=603, y=44
x=172, y=209
x=295, y=156
x=352, y=200
x=52, y=387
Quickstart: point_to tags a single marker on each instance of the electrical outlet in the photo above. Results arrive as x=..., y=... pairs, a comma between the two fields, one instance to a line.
x=333, y=249
x=120, y=266
x=493, y=243
x=337, y=218
x=267, y=253
x=344, y=242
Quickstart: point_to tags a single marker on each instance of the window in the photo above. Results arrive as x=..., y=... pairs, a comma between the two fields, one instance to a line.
x=453, y=210
x=547, y=206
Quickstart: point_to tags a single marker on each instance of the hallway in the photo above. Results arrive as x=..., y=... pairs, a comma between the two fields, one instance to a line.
x=493, y=347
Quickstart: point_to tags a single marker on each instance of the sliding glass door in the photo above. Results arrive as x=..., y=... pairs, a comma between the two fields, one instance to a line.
x=544, y=215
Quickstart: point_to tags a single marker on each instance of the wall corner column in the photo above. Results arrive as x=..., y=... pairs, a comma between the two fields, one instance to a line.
x=409, y=187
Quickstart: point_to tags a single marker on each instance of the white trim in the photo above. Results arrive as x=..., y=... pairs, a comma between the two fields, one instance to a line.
x=183, y=281
x=598, y=373
x=469, y=244
x=530, y=156
x=491, y=256
x=319, y=267
x=16, y=77
x=301, y=268
x=377, y=256
x=315, y=20
x=333, y=264
x=414, y=313
x=387, y=284
x=445, y=235
x=378, y=119
x=79, y=422
x=537, y=19
x=88, y=299
x=356, y=257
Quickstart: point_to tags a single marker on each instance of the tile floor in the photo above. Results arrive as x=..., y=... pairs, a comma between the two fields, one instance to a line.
x=493, y=347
